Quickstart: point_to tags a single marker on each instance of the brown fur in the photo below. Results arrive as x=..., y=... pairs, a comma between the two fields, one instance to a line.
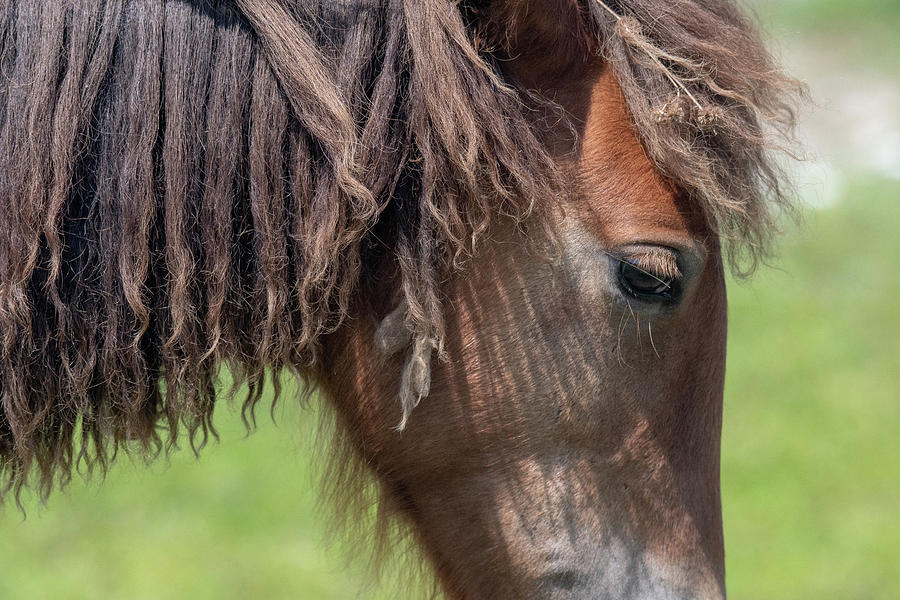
x=191, y=184
x=530, y=354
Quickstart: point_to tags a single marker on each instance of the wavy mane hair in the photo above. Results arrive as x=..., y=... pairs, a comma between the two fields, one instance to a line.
x=186, y=184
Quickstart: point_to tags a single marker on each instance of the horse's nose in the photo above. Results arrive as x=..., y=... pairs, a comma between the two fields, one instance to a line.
x=576, y=584
x=564, y=583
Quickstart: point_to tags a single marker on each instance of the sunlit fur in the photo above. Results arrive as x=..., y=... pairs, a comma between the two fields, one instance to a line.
x=191, y=184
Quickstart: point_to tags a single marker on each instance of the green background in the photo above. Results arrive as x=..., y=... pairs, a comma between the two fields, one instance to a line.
x=811, y=443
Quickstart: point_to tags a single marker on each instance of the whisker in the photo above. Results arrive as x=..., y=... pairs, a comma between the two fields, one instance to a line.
x=652, y=343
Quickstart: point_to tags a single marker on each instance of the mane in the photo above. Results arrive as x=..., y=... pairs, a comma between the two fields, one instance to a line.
x=713, y=109
x=192, y=184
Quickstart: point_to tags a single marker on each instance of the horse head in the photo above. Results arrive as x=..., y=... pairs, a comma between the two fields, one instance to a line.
x=569, y=445
x=493, y=234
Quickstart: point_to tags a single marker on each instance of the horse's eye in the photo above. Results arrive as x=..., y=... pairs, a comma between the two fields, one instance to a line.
x=641, y=283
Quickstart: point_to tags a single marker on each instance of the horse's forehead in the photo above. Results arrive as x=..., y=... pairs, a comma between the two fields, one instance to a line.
x=620, y=195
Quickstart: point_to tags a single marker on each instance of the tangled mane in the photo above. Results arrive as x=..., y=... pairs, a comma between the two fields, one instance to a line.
x=187, y=184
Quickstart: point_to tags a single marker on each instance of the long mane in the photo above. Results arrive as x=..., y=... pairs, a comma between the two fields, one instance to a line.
x=191, y=184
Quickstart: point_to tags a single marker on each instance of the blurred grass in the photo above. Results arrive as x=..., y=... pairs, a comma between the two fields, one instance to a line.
x=238, y=523
x=866, y=32
x=829, y=15
x=811, y=476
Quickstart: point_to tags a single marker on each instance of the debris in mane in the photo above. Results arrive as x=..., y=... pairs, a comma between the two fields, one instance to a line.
x=712, y=108
x=190, y=184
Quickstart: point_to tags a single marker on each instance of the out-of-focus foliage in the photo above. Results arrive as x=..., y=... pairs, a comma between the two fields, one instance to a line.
x=815, y=15
x=866, y=32
x=238, y=523
x=811, y=476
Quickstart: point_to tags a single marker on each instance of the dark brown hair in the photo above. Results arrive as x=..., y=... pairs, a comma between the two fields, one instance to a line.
x=186, y=184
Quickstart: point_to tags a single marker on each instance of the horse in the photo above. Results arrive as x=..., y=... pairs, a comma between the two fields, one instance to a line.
x=491, y=234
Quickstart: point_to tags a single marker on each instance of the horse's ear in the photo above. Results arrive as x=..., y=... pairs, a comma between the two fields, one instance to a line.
x=550, y=35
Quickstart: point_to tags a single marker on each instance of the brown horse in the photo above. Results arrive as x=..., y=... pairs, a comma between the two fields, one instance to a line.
x=507, y=214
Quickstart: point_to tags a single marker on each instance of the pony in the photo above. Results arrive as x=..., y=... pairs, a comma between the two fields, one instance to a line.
x=491, y=233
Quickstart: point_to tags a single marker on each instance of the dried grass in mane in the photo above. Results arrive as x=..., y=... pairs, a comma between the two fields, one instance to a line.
x=190, y=184
x=712, y=107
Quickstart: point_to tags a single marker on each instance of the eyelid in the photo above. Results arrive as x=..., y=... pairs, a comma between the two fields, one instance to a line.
x=660, y=262
x=667, y=281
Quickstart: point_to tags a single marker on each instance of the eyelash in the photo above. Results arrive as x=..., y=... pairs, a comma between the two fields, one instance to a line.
x=641, y=284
